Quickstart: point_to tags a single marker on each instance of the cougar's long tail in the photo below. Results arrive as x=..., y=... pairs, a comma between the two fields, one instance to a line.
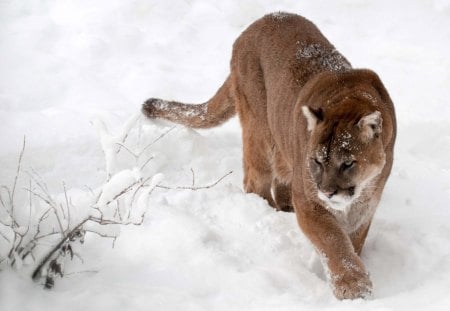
x=217, y=110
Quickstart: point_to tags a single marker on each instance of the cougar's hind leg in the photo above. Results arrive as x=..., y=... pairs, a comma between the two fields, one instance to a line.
x=282, y=196
x=251, y=106
x=257, y=169
x=281, y=184
x=257, y=155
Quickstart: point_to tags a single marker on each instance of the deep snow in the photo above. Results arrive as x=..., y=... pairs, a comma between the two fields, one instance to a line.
x=66, y=63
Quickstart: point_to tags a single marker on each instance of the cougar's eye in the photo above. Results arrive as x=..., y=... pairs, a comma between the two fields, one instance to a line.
x=347, y=164
x=317, y=161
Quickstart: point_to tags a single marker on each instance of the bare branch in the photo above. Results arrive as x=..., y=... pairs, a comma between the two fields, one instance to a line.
x=99, y=210
x=114, y=222
x=51, y=204
x=128, y=129
x=122, y=192
x=146, y=162
x=118, y=210
x=8, y=211
x=135, y=193
x=29, y=247
x=103, y=235
x=80, y=272
x=61, y=207
x=156, y=140
x=127, y=149
x=79, y=257
x=1, y=198
x=71, y=231
x=99, y=196
x=67, y=205
x=4, y=224
x=29, y=209
x=13, y=247
x=196, y=188
x=17, y=176
x=48, y=199
x=193, y=177
x=41, y=183
x=90, y=190
x=69, y=236
x=140, y=187
x=5, y=237
x=39, y=237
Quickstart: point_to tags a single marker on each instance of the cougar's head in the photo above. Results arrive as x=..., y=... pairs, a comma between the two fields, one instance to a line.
x=344, y=154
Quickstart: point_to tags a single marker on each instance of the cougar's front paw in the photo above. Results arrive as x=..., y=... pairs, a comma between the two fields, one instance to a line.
x=353, y=283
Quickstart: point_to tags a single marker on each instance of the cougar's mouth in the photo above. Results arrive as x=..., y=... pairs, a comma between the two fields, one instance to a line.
x=339, y=202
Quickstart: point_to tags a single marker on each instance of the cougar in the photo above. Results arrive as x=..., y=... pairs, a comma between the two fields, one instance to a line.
x=318, y=136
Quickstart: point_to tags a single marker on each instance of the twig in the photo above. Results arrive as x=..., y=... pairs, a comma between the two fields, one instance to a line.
x=195, y=188
x=103, y=235
x=80, y=272
x=17, y=176
x=128, y=125
x=139, y=154
x=118, y=209
x=22, y=236
x=49, y=200
x=1, y=199
x=14, y=247
x=41, y=183
x=156, y=140
x=79, y=257
x=146, y=162
x=135, y=193
x=29, y=247
x=69, y=236
x=99, y=210
x=193, y=177
x=39, y=237
x=7, y=210
x=90, y=190
x=115, y=222
x=51, y=205
x=5, y=237
x=127, y=149
x=30, y=207
x=67, y=205
x=138, y=188
x=61, y=207
x=122, y=192
x=41, y=219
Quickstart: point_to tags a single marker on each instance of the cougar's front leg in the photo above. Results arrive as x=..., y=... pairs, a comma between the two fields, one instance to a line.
x=347, y=273
x=359, y=237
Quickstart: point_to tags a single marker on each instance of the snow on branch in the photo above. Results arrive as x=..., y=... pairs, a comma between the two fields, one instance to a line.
x=53, y=228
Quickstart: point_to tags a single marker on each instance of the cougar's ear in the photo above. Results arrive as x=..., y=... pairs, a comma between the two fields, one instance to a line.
x=313, y=116
x=370, y=126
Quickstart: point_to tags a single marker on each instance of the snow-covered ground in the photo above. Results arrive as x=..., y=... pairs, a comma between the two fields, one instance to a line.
x=66, y=63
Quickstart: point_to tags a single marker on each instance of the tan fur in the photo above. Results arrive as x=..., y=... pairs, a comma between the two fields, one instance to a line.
x=318, y=136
